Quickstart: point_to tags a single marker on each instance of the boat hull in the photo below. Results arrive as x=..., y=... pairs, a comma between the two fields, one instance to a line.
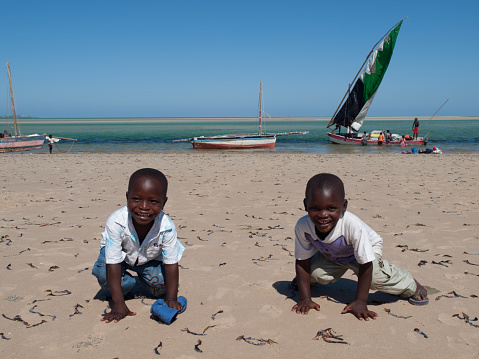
x=234, y=142
x=21, y=143
x=343, y=140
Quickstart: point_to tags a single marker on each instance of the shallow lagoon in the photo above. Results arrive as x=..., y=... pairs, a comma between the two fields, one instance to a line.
x=157, y=135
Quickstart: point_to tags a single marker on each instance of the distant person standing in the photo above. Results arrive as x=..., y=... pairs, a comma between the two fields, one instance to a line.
x=388, y=136
x=380, y=139
x=364, y=139
x=415, y=128
x=51, y=143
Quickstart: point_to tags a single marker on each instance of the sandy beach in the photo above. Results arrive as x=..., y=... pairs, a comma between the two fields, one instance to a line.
x=235, y=213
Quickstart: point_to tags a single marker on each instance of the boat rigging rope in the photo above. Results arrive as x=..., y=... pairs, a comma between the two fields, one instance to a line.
x=56, y=145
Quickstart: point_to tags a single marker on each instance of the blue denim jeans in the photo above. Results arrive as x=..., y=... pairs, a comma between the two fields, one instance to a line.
x=150, y=275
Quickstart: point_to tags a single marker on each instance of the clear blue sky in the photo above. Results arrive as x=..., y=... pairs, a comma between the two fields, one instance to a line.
x=185, y=58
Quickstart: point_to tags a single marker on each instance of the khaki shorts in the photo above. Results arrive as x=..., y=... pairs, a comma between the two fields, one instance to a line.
x=387, y=277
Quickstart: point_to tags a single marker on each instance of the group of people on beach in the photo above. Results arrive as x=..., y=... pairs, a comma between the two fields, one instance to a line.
x=329, y=241
x=388, y=137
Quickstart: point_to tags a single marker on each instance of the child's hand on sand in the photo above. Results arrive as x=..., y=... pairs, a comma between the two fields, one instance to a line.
x=172, y=303
x=118, y=312
x=360, y=310
x=304, y=305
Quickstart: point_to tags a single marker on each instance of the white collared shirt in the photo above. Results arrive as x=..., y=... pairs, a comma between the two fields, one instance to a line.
x=350, y=239
x=122, y=243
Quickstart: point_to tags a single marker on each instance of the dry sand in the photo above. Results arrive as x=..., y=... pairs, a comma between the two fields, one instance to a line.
x=235, y=213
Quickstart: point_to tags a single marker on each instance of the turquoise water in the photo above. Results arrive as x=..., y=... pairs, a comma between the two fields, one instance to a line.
x=157, y=135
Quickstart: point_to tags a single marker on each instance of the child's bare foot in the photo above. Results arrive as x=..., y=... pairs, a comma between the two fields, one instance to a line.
x=420, y=296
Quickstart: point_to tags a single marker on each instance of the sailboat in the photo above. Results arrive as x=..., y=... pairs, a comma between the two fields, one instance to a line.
x=18, y=142
x=239, y=141
x=355, y=104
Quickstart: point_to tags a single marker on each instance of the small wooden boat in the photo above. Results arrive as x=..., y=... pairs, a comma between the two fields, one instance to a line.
x=18, y=142
x=21, y=143
x=238, y=141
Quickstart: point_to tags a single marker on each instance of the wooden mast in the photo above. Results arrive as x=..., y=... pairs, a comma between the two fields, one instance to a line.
x=13, y=103
x=260, y=104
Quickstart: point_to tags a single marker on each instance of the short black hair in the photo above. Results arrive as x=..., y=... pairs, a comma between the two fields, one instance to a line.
x=149, y=173
x=325, y=181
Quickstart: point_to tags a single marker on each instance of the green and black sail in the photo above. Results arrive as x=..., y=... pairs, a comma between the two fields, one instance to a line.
x=361, y=95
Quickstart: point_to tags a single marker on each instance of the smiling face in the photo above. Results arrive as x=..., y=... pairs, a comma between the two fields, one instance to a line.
x=146, y=198
x=325, y=206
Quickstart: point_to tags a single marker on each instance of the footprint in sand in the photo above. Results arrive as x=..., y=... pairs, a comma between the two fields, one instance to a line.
x=225, y=319
x=271, y=311
x=220, y=293
x=414, y=337
x=446, y=318
x=459, y=344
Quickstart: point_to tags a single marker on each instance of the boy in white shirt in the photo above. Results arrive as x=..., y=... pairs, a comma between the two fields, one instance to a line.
x=140, y=237
x=330, y=240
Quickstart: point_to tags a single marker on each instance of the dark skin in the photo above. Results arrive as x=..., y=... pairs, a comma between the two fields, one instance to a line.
x=325, y=207
x=146, y=198
x=303, y=270
x=358, y=306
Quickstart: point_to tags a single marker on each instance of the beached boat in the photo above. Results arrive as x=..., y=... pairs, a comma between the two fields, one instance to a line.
x=355, y=104
x=18, y=142
x=238, y=141
x=358, y=140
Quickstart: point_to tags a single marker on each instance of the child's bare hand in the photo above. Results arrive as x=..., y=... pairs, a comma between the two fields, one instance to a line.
x=172, y=303
x=304, y=305
x=118, y=312
x=360, y=310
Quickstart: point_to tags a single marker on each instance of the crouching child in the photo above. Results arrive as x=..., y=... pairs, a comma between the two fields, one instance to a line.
x=139, y=238
x=330, y=240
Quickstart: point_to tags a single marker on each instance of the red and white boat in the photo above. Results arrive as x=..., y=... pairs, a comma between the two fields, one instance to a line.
x=358, y=140
x=355, y=104
x=21, y=143
x=238, y=141
x=234, y=141
x=18, y=142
